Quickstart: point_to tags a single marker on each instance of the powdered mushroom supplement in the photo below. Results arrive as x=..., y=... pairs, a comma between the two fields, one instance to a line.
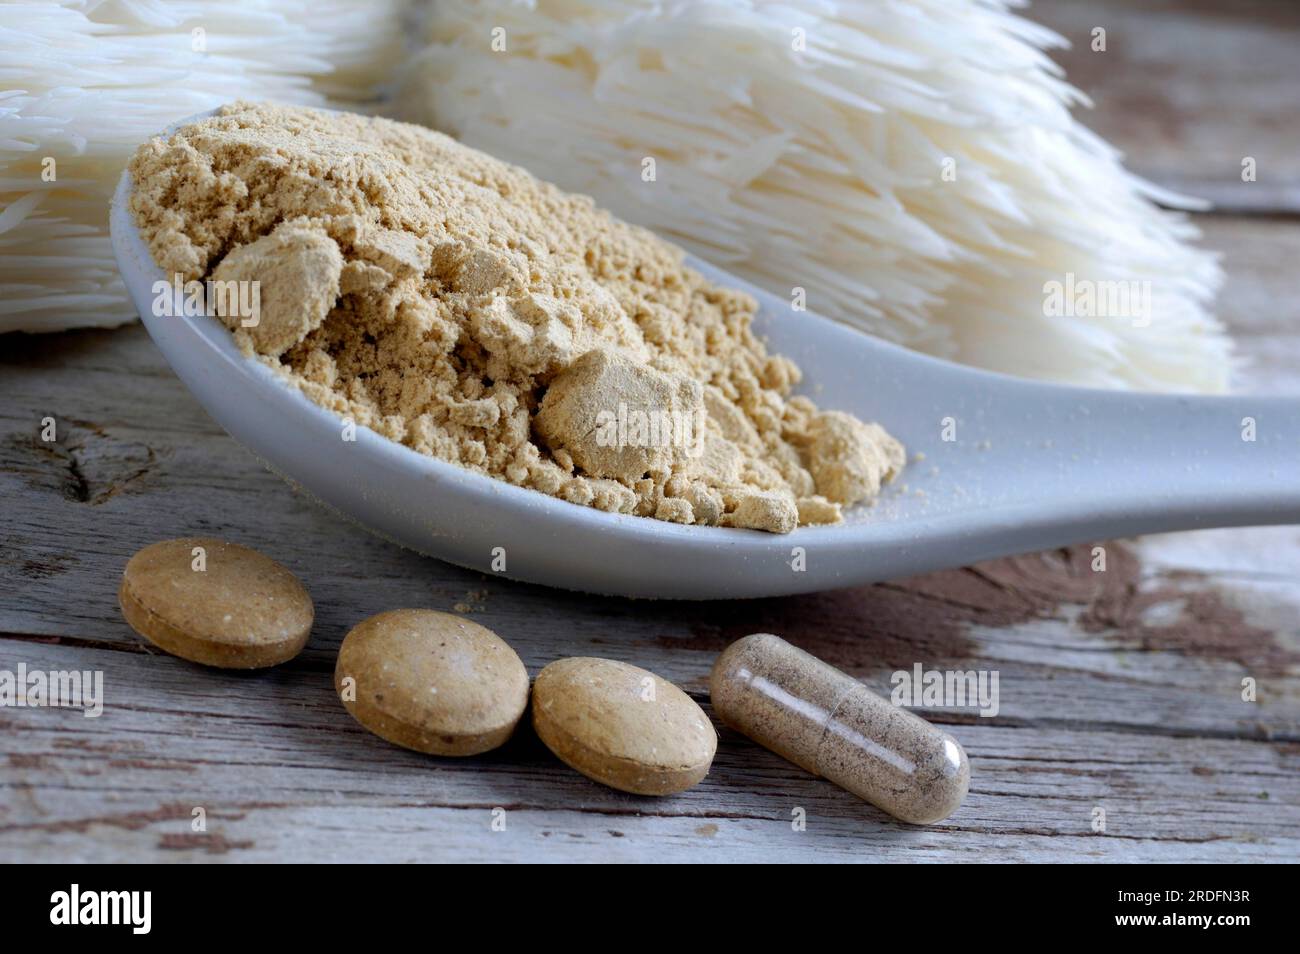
x=215, y=603
x=433, y=682
x=622, y=726
x=825, y=721
x=460, y=306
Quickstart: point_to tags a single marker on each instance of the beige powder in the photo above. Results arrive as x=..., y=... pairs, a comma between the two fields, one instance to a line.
x=460, y=306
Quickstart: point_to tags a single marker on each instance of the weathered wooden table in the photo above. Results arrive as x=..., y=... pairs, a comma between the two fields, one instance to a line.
x=1120, y=691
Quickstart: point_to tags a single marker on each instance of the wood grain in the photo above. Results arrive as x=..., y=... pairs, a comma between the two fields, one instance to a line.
x=1120, y=691
x=1189, y=88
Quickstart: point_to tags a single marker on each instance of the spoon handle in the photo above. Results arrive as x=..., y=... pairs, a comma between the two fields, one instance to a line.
x=1122, y=463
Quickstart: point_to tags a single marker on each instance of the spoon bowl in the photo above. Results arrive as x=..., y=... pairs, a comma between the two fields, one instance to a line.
x=996, y=465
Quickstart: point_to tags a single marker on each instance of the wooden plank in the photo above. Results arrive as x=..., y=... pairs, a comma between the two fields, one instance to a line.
x=282, y=772
x=111, y=488
x=1119, y=691
x=1189, y=89
x=1259, y=299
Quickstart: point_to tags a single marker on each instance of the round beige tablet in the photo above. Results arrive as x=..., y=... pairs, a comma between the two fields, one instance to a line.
x=622, y=726
x=215, y=603
x=433, y=682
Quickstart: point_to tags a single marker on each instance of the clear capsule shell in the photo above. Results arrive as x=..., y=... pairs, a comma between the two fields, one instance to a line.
x=828, y=723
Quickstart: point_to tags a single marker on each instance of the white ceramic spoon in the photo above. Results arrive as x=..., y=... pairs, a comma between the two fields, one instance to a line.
x=1032, y=466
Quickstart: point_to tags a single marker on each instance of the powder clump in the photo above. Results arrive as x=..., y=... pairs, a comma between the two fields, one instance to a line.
x=458, y=305
x=296, y=268
x=650, y=430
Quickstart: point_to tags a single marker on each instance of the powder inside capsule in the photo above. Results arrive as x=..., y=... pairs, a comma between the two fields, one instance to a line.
x=458, y=305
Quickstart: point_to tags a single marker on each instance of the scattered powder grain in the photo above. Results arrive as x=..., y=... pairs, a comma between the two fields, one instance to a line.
x=458, y=305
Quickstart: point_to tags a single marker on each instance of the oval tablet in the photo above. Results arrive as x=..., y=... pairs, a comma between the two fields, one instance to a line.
x=827, y=722
x=433, y=682
x=215, y=603
x=622, y=726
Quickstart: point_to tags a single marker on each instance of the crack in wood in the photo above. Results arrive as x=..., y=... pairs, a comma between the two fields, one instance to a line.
x=89, y=463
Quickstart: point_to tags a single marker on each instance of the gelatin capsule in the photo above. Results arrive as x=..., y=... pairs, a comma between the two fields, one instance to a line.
x=826, y=722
